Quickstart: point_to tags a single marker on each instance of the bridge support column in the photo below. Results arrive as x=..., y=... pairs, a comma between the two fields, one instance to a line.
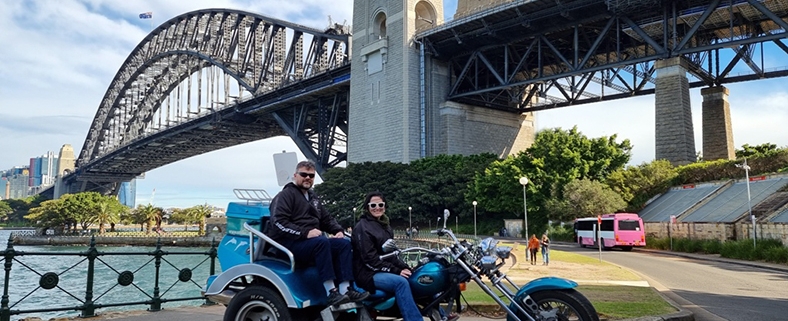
x=675, y=140
x=717, y=131
x=467, y=130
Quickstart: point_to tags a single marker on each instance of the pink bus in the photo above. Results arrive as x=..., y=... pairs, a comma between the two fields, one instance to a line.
x=623, y=230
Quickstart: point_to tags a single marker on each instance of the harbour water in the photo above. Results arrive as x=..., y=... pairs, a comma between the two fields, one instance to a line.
x=26, y=291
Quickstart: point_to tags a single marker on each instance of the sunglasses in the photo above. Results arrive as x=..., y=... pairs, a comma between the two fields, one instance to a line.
x=373, y=205
x=305, y=175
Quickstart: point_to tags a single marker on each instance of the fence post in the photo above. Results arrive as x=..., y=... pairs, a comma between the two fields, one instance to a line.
x=89, y=309
x=156, y=302
x=212, y=254
x=5, y=312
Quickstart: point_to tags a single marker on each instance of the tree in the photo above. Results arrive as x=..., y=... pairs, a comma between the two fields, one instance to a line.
x=748, y=151
x=148, y=215
x=108, y=211
x=182, y=216
x=585, y=198
x=638, y=184
x=5, y=210
x=48, y=214
x=198, y=214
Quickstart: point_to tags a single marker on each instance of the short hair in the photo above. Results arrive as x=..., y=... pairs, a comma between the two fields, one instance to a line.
x=308, y=164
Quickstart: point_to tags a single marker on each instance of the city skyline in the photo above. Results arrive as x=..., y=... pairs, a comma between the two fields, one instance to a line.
x=64, y=57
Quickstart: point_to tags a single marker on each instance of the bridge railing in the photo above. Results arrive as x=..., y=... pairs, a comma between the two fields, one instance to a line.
x=156, y=277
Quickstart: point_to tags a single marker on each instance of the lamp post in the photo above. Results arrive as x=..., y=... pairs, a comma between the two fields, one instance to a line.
x=474, y=218
x=749, y=202
x=523, y=182
x=410, y=220
x=354, y=217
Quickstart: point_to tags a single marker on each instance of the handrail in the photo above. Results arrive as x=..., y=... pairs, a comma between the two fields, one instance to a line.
x=251, y=194
x=268, y=240
x=410, y=249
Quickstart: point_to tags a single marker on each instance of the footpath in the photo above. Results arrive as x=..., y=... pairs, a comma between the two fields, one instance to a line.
x=216, y=312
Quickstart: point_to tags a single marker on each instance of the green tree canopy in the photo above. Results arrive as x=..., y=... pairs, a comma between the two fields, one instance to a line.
x=638, y=184
x=5, y=210
x=748, y=151
x=584, y=198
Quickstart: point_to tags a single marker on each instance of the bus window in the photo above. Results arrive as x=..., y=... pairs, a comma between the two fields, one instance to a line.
x=628, y=225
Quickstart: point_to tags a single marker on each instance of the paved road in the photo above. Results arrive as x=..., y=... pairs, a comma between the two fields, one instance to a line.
x=712, y=290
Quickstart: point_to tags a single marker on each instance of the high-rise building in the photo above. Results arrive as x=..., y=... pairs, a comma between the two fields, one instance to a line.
x=15, y=183
x=43, y=170
x=127, y=194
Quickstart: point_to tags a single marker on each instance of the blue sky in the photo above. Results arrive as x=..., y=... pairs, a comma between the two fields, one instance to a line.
x=58, y=57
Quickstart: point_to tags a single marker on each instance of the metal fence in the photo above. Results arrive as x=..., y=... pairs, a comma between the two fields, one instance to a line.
x=67, y=285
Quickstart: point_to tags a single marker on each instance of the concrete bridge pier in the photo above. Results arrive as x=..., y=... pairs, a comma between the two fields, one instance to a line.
x=675, y=140
x=717, y=131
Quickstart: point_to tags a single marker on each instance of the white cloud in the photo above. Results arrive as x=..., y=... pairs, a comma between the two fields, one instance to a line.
x=58, y=58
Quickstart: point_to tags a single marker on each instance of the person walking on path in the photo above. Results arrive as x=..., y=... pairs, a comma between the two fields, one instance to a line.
x=298, y=220
x=545, y=249
x=533, y=248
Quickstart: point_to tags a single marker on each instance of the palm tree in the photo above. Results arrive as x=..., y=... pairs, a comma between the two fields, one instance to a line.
x=148, y=214
x=106, y=213
x=199, y=213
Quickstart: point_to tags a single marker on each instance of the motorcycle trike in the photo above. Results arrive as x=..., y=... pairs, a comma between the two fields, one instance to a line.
x=262, y=281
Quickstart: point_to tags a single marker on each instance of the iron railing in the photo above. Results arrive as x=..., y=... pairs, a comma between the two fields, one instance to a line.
x=161, y=260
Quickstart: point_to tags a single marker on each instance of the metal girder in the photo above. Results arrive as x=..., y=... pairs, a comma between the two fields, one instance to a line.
x=319, y=128
x=210, y=79
x=607, y=51
x=200, y=63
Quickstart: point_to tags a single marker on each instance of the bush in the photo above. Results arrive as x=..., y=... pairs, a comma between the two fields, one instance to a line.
x=563, y=233
x=657, y=243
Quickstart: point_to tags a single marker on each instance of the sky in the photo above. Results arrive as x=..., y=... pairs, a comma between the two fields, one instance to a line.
x=57, y=58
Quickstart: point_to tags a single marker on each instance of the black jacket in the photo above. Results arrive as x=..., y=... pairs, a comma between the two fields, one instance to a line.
x=292, y=216
x=368, y=238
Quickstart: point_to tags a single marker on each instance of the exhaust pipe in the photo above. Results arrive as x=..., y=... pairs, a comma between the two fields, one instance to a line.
x=222, y=298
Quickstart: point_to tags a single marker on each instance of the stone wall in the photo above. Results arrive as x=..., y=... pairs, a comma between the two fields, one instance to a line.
x=717, y=231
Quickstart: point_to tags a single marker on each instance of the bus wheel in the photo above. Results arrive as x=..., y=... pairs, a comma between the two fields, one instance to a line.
x=580, y=240
x=626, y=248
x=602, y=241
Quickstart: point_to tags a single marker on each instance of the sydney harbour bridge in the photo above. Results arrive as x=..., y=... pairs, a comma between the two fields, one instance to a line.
x=215, y=78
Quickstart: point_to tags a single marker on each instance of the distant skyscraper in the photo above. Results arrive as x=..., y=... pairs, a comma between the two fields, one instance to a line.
x=127, y=194
x=65, y=159
x=43, y=170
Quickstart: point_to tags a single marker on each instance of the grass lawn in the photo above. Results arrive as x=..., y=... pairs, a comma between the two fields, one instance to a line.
x=612, y=302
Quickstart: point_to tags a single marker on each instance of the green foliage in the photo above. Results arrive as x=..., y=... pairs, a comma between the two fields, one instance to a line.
x=638, y=184
x=771, y=162
x=584, y=198
x=770, y=250
x=748, y=151
x=5, y=210
x=21, y=207
x=559, y=232
x=81, y=209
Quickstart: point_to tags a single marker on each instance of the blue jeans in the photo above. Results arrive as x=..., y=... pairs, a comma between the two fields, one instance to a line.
x=545, y=255
x=393, y=283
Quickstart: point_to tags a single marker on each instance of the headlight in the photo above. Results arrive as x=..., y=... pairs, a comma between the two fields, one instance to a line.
x=503, y=251
x=488, y=262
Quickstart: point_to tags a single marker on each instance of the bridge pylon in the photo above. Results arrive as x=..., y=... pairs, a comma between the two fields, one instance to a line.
x=398, y=107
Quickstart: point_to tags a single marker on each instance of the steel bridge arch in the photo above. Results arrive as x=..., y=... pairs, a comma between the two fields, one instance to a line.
x=251, y=49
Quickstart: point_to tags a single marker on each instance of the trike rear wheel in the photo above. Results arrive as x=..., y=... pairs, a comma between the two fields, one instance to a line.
x=257, y=303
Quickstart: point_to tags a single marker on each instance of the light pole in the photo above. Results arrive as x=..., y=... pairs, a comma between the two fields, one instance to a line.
x=410, y=220
x=523, y=182
x=474, y=218
x=749, y=202
x=354, y=217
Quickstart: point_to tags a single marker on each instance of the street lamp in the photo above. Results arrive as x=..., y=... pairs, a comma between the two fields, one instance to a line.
x=410, y=220
x=474, y=219
x=523, y=182
x=354, y=217
x=749, y=202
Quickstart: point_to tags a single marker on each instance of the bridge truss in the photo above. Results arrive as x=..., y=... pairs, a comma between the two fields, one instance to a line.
x=215, y=78
x=535, y=55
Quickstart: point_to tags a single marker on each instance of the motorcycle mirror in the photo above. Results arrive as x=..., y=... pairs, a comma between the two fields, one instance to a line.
x=389, y=246
x=445, y=217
